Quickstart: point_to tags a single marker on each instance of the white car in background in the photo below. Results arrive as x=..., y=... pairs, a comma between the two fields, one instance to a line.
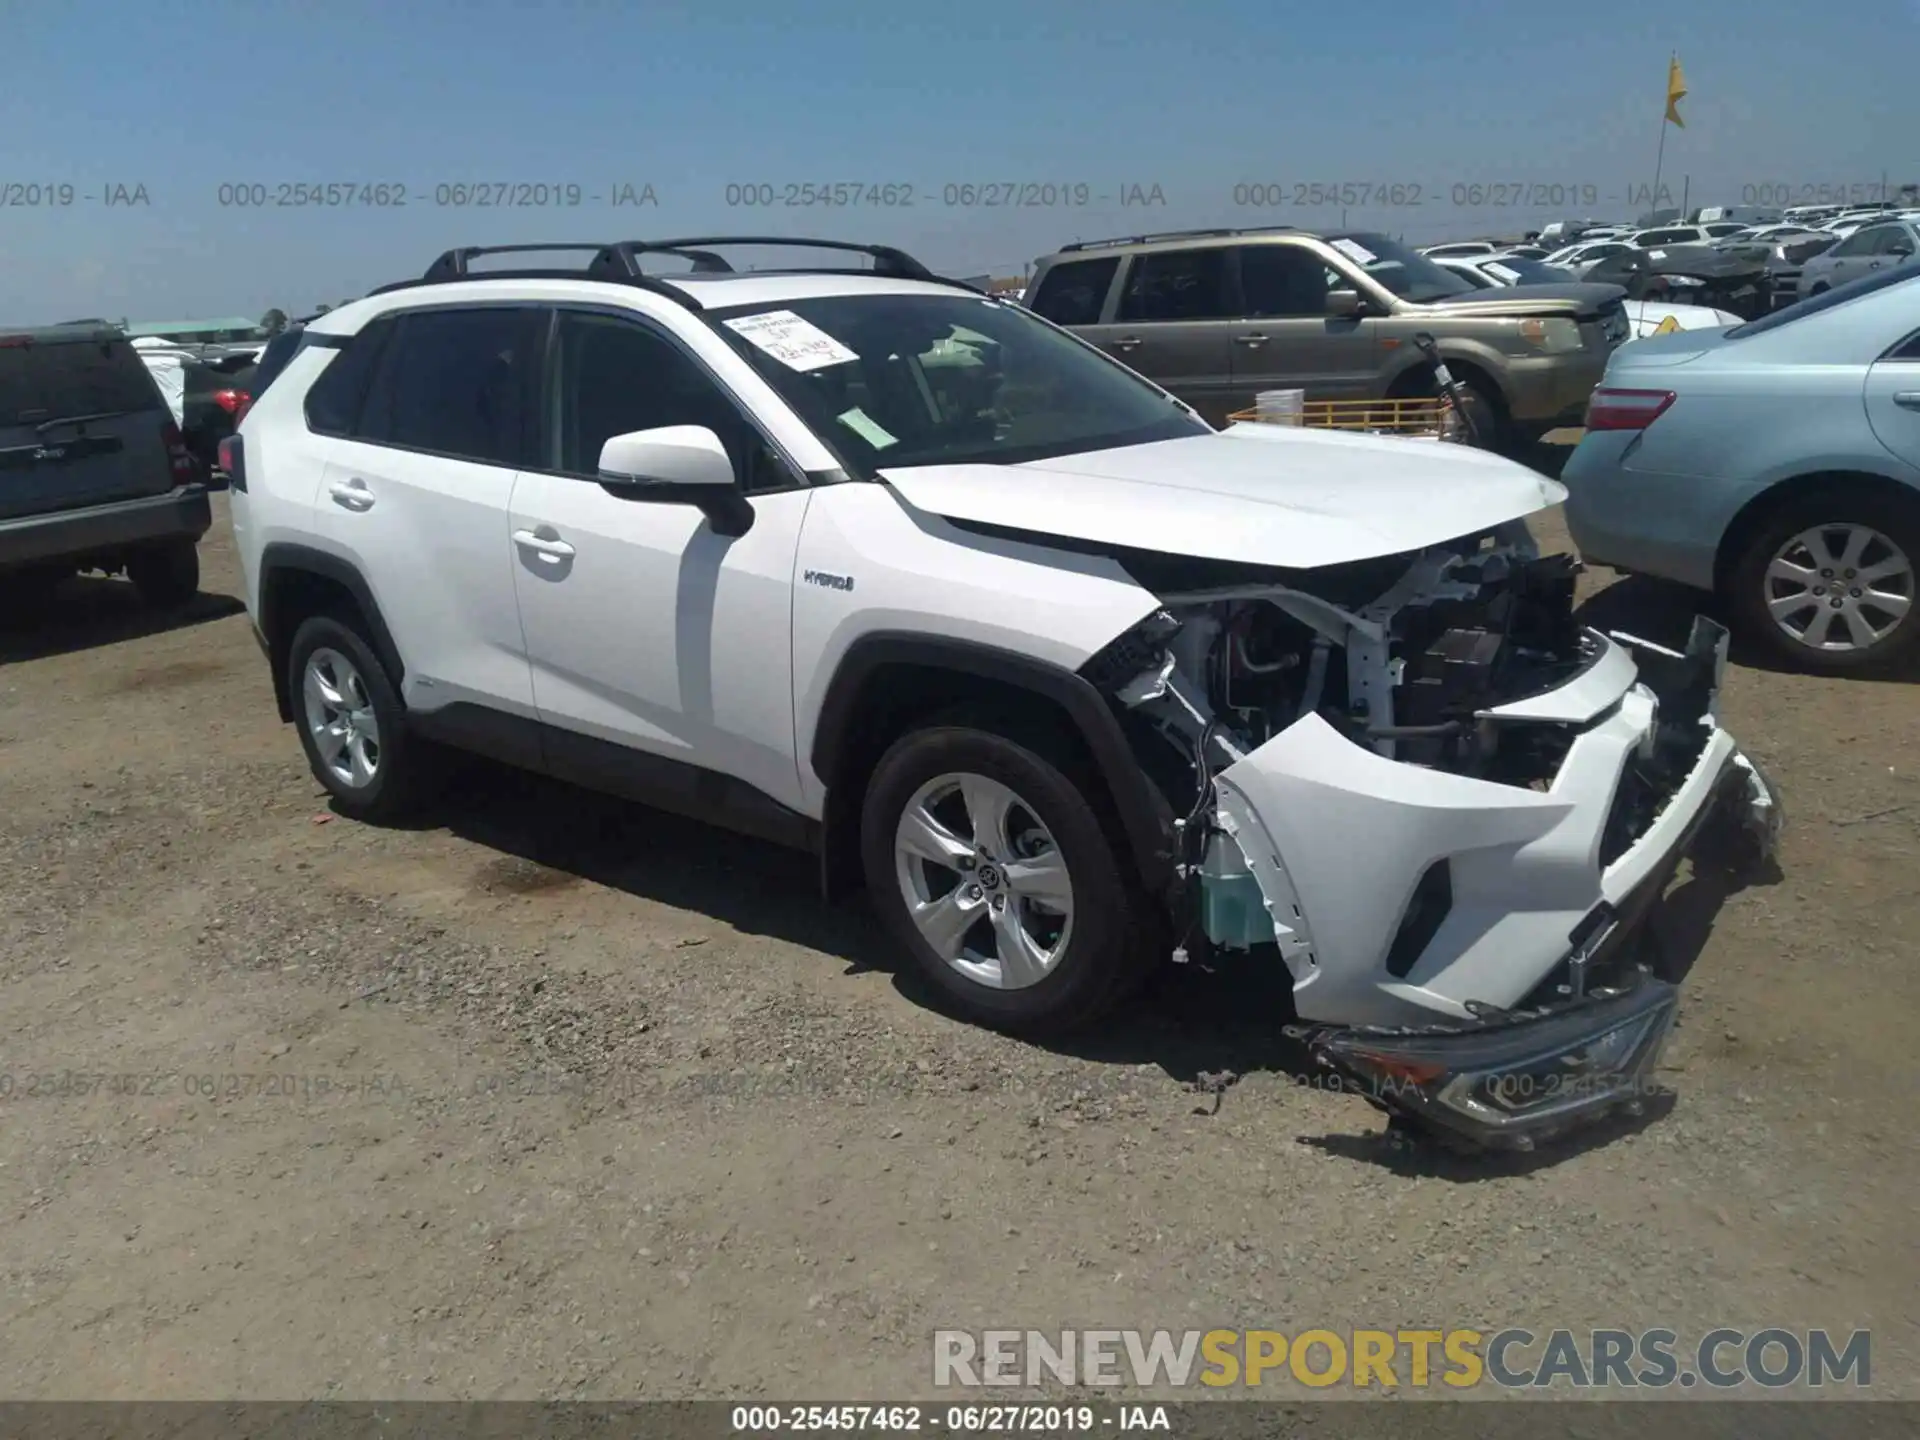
x=1648, y=317
x=1673, y=235
x=1577, y=259
x=1455, y=248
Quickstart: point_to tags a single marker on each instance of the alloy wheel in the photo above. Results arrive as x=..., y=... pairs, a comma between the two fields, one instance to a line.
x=341, y=718
x=1839, y=587
x=984, y=881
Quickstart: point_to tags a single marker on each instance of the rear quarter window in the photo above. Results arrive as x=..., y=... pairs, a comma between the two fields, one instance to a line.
x=1074, y=292
x=58, y=379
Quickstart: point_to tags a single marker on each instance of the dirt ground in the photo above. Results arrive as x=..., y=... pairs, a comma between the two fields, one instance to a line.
x=556, y=1097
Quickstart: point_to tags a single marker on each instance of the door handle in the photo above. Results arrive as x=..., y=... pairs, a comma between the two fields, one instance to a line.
x=1907, y=399
x=546, y=549
x=351, y=495
x=1127, y=342
x=1253, y=342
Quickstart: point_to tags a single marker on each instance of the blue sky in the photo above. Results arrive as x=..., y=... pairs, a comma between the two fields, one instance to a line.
x=1194, y=98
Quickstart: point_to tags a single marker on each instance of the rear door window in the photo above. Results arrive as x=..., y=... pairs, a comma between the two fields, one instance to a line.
x=1074, y=292
x=1174, y=285
x=457, y=383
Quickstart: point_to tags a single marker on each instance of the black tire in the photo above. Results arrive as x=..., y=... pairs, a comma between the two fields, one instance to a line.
x=1819, y=289
x=401, y=774
x=1109, y=945
x=1491, y=430
x=167, y=576
x=1747, y=585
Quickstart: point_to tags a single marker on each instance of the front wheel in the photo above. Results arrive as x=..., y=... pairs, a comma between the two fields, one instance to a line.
x=990, y=866
x=1829, y=583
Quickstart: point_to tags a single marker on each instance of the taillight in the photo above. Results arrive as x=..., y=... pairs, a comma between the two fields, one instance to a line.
x=1626, y=409
x=178, y=456
x=231, y=401
x=233, y=460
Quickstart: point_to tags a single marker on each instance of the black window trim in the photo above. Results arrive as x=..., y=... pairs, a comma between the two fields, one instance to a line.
x=1904, y=351
x=401, y=315
x=546, y=439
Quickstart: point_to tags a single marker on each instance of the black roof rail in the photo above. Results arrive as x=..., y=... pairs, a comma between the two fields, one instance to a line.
x=1208, y=234
x=605, y=264
x=888, y=261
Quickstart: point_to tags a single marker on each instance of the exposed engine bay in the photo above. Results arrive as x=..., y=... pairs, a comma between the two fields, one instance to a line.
x=1405, y=655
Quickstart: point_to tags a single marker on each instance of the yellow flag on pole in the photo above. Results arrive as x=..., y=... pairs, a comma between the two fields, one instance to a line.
x=1676, y=87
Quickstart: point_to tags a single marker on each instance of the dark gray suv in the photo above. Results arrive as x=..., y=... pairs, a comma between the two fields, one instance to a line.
x=94, y=474
x=1216, y=316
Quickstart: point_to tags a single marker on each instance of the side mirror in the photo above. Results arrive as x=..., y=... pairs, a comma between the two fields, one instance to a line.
x=1345, y=304
x=677, y=464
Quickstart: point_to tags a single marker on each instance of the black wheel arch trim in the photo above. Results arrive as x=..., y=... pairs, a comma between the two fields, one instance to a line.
x=1148, y=835
x=282, y=556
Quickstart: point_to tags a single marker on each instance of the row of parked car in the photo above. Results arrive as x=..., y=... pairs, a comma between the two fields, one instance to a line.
x=1803, y=253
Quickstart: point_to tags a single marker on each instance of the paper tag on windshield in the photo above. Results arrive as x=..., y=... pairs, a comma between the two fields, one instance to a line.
x=1502, y=272
x=864, y=425
x=798, y=344
x=1354, y=250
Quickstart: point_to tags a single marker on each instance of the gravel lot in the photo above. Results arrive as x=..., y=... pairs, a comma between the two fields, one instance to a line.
x=558, y=1097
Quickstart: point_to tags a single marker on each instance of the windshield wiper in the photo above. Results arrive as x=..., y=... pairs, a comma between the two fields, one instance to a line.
x=47, y=425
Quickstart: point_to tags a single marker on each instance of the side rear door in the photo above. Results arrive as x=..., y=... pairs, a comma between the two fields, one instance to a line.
x=1892, y=398
x=417, y=487
x=81, y=423
x=1172, y=323
x=1286, y=339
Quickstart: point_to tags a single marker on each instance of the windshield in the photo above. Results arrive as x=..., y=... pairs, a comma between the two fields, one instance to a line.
x=1405, y=272
x=925, y=379
x=1826, y=300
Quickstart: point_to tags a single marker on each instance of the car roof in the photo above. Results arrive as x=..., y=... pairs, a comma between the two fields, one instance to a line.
x=708, y=292
x=61, y=334
x=1177, y=240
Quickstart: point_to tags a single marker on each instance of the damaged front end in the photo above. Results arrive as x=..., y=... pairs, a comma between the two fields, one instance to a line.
x=1446, y=805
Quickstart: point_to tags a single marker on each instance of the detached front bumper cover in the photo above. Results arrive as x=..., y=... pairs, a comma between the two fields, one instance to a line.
x=1512, y=1082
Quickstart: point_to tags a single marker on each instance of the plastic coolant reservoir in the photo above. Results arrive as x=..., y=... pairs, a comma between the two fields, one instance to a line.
x=1233, y=912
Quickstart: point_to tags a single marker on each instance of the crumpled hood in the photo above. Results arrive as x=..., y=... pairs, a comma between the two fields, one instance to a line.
x=1257, y=494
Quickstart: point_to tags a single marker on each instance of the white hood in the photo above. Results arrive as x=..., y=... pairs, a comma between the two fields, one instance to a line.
x=1260, y=494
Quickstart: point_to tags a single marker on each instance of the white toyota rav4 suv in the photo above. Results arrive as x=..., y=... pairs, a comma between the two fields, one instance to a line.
x=864, y=561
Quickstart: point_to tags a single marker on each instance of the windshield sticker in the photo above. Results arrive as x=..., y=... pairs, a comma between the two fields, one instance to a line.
x=864, y=425
x=798, y=344
x=1656, y=254
x=1502, y=272
x=1354, y=250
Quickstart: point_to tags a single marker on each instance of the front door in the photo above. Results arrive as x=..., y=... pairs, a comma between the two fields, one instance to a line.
x=1286, y=340
x=646, y=629
x=1171, y=324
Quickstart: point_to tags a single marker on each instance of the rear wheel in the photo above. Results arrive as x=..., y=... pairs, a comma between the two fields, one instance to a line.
x=351, y=721
x=167, y=576
x=991, y=867
x=1829, y=583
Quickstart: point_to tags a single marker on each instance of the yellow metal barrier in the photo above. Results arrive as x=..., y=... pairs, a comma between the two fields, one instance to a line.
x=1427, y=415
